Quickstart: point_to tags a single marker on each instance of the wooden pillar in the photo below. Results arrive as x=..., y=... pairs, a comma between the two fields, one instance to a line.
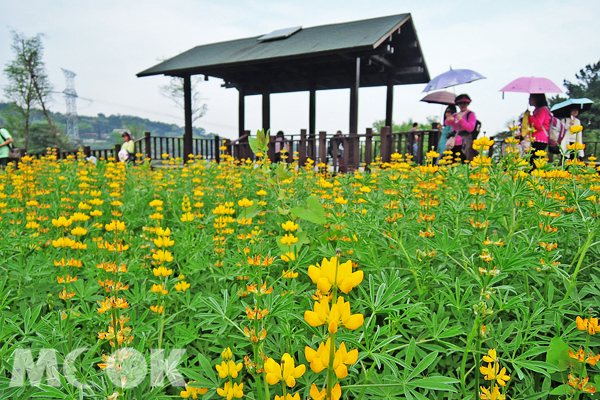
x=368, y=148
x=217, y=151
x=241, y=112
x=384, y=145
x=354, y=99
x=322, y=147
x=312, y=110
x=302, y=148
x=266, y=112
x=389, y=105
x=148, y=144
x=187, y=135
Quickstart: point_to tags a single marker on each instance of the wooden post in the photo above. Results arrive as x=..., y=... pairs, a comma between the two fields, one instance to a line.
x=246, y=150
x=241, y=111
x=368, y=148
x=384, y=148
x=302, y=148
x=117, y=150
x=322, y=147
x=266, y=112
x=217, y=151
x=187, y=102
x=312, y=110
x=148, y=144
x=311, y=147
x=87, y=151
x=354, y=99
x=389, y=104
x=419, y=159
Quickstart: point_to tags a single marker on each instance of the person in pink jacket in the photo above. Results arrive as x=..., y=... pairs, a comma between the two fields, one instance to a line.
x=463, y=123
x=540, y=121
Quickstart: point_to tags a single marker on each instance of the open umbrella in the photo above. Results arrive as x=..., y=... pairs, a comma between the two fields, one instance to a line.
x=452, y=78
x=563, y=110
x=442, y=97
x=531, y=85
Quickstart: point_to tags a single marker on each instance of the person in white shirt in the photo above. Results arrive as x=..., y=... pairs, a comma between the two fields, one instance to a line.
x=569, y=137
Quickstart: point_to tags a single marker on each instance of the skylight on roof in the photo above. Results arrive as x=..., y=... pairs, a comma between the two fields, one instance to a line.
x=279, y=34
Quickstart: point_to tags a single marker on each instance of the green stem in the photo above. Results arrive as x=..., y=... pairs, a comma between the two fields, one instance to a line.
x=584, y=250
x=463, y=366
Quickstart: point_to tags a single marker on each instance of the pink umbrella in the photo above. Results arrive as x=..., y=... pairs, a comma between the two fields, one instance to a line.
x=442, y=97
x=531, y=85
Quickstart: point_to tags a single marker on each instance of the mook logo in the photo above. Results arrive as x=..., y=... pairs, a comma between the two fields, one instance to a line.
x=125, y=368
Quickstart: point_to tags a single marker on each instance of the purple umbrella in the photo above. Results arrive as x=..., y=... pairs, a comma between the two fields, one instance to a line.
x=442, y=97
x=531, y=85
x=452, y=78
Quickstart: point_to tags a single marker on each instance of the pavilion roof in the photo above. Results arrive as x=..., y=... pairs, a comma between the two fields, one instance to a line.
x=321, y=57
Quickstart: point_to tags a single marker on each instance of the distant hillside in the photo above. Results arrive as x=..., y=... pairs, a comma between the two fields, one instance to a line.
x=96, y=131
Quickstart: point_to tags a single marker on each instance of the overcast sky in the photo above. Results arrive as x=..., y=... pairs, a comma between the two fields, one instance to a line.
x=107, y=42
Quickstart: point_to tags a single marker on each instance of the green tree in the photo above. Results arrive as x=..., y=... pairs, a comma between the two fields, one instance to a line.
x=587, y=85
x=28, y=84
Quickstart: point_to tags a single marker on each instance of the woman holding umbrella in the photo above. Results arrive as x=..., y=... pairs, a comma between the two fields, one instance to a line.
x=463, y=123
x=540, y=121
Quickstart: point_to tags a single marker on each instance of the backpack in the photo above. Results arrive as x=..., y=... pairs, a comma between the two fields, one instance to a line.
x=557, y=130
x=477, y=129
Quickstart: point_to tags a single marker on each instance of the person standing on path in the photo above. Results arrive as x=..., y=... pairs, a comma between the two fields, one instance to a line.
x=540, y=121
x=4, y=150
x=572, y=138
x=463, y=123
x=445, y=131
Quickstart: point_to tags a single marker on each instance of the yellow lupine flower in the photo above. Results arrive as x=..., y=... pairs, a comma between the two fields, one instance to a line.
x=228, y=368
x=289, y=226
x=324, y=275
x=192, y=391
x=62, y=221
x=78, y=231
x=289, y=239
x=245, y=202
x=162, y=271
x=188, y=216
x=339, y=314
x=230, y=391
x=287, y=371
x=182, y=286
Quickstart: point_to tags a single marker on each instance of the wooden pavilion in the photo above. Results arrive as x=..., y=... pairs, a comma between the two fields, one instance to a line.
x=381, y=51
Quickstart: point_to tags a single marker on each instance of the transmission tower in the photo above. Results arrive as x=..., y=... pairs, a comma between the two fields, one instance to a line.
x=71, y=98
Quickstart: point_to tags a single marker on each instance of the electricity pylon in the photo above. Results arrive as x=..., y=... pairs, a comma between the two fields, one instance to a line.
x=71, y=99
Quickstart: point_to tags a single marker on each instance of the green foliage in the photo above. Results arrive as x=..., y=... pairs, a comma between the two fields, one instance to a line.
x=405, y=126
x=587, y=85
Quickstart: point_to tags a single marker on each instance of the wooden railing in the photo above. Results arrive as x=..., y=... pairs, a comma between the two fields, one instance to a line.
x=358, y=149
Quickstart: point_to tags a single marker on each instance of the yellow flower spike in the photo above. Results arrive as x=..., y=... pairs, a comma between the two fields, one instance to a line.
x=339, y=314
x=228, y=391
x=324, y=275
x=182, y=286
x=318, y=359
x=289, y=274
x=289, y=239
x=491, y=394
x=227, y=354
x=288, y=256
x=289, y=226
x=491, y=357
x=192, y=391
x=342, y=359
x=288, y=396
x=188, y=216
x=336, y=393
x=245, y=202
x=78, y=231
x=162, y=255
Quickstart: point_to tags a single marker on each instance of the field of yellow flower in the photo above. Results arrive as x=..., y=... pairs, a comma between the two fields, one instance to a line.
x=262, y=281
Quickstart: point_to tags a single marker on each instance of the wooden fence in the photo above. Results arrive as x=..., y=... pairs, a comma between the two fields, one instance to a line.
x=358, y=149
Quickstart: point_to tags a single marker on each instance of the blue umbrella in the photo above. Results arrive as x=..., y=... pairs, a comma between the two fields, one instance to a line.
x=563, y=110
x=452, y=78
